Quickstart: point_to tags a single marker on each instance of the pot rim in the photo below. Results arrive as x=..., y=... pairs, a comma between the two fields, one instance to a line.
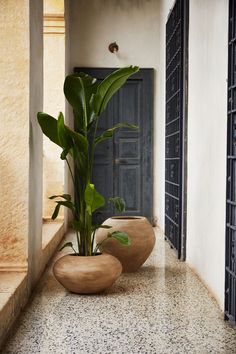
x=78, y=255
x=127, y=217
x=86, y=257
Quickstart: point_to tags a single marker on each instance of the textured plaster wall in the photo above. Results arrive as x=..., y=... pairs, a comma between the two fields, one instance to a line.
x=207, y=124
x=54, y=102
x=21, y=98
x=14, y=132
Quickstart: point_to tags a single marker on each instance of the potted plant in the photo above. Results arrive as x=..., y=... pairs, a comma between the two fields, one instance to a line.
x=85, y=271
x=141, y=234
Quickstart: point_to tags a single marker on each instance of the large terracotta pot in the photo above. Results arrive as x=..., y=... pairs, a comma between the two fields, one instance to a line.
x=87, y=275
x=142, y=241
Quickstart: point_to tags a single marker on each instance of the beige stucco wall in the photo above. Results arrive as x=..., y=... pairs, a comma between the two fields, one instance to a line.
x=54, y=102
x=21, y=96
x=14, y=132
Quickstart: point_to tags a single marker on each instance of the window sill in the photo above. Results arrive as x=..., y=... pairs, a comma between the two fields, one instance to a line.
x=52, y=233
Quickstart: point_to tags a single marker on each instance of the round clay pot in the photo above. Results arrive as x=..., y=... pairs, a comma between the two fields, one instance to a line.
x=142, y=240
x=87, y=275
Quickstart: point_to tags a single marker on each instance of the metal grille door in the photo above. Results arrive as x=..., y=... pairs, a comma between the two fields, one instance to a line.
x=230, y=274
x=176, y=93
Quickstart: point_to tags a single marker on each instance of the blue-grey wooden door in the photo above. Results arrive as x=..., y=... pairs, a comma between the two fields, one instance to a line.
x=123, y=165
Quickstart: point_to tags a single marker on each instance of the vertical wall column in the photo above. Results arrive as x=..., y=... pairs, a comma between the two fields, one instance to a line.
x=21, y=49
x=35, y=141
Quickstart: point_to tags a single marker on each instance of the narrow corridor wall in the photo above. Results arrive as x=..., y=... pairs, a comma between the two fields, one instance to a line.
x=207, y=124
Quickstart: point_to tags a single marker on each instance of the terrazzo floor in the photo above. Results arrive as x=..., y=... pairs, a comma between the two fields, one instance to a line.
x=163, y=308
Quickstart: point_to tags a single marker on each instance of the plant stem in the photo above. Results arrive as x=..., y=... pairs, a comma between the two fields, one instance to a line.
x=78, y=241
x=73, y=179
x=93, y=148
x=93, y=240
x=74, y=249
x=99, y=244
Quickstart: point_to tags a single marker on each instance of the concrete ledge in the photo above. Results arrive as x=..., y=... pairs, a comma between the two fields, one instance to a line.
x=14, y=292
x=13, y=297
x=51, y=237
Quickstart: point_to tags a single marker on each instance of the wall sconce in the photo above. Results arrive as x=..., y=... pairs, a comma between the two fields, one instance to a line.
x=113, y=47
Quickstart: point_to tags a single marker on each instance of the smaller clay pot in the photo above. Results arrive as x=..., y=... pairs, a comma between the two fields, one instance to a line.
x=142, y=238
x=87, y=275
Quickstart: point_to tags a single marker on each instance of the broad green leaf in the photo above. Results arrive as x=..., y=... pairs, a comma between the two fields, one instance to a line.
x=65, y=152
x=63, y=136
x=121, y=236
x=107, y=134
x=118, y=203
x=67, y=244
x=78, y=89
x=93, y=199
x=80, y=140
x=48, y=125
x=109, y=86
x=65, y=196
x=66, y=204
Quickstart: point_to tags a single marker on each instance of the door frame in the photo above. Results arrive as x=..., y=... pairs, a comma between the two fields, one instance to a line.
x=230, y=273
x=147, y=77
x=181, y=251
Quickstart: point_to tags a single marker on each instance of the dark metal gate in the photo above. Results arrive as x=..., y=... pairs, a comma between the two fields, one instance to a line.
x=176, y=130
x=230, y=267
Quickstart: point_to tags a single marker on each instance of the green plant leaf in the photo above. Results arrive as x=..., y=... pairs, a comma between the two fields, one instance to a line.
x=93, y=199
x=78, y=89
x=67, y=244
x=56, y=211
x=121, y=237
x=68, y=138
x=66, y=204
x=80, y=140
x=48, y=125
x=77, y=225
x=107, y=134
x=64, y=136
x=118, y=203
x=109, y=86
x=95, y=227
x=65, y=196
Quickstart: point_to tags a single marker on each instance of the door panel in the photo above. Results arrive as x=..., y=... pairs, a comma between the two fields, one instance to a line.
x=123, y=165
x=176, y=138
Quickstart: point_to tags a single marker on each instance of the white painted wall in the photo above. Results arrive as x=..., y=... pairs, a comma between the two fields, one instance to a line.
x=207, y=141
x=134, y=25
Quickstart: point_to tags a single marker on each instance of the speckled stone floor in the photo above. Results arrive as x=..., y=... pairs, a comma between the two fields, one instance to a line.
x=163, y=308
